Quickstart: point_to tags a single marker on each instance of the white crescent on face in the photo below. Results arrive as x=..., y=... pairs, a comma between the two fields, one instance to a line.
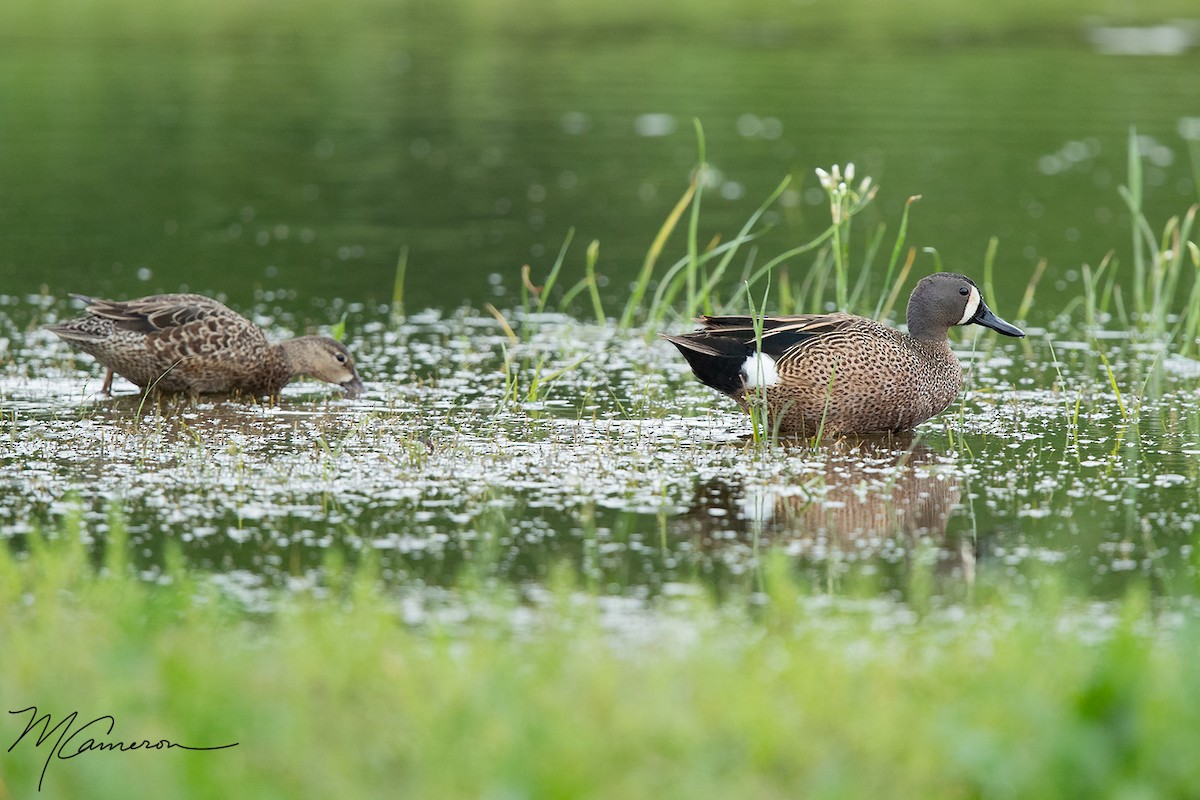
x=972, y=307
x=759, y=370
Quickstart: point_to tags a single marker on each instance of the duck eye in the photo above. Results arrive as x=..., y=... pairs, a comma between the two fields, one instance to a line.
x=341, y=357
x=964, y=291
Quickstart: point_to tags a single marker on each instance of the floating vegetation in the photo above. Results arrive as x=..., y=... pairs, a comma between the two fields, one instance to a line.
x=618, y=464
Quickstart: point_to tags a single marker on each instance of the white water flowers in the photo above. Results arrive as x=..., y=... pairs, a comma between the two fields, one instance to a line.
x=827, y=180
x=845, y=201
x=835, y=180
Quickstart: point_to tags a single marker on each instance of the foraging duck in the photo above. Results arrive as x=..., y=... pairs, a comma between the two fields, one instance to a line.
x=838, y=373
x=191, y=343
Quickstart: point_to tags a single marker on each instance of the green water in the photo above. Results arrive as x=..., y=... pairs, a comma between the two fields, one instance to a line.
x=625, y=468
x=286, y=164
x=142, y=153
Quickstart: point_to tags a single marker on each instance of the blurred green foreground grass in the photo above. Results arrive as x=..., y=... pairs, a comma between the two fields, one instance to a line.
x=787, y=694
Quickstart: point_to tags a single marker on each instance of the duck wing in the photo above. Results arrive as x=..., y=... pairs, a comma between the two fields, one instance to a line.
x=161, y=312
x=175, y=327
x=780, y=335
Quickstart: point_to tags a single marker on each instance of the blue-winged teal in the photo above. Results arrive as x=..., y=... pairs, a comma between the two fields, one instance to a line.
x=839, y=373
x=191, y=343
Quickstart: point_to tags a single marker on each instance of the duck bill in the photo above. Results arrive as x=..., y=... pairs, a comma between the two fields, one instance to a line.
x=353, y=387
x=987, y=319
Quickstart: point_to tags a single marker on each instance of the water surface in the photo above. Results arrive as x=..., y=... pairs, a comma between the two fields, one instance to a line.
x=231, y=156
x=286, y=166
x=622, y=467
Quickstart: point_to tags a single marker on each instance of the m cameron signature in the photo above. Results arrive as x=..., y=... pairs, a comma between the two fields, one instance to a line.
x=71, y=741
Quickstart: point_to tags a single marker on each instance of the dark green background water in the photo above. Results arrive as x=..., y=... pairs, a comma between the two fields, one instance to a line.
x=141, y=155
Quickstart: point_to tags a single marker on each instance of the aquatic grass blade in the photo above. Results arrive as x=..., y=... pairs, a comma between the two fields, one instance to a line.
x=338, y=329
x=1112, y=381
x=760, y=419
x=898, y=284
x=656, y=247
x=989, y=266
x=398, y=286
x=1030, y=288
x=593, y=255
x=672, y=283
x=499, y=317
x=864, y=276
x=1132, y=194
x=813, y=244
x=897, y=249
x=693, y=246
x=552, y=278
x=744, y=235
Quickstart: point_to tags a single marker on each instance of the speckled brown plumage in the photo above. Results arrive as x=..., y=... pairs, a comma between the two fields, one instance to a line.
x=838, y=373
x=191, y=343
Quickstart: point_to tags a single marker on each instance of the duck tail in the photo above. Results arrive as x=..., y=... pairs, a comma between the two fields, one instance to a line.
x=716, y=360
x=81, y=330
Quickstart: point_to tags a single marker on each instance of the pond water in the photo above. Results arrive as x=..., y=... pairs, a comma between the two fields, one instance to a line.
x=621, y=466
x=287, y=169
x=230, y=153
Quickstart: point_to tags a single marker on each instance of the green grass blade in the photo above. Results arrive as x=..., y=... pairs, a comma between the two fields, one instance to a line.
x=552, y=278
x=338, y=329
x=989, y=266
x=398, y=285
x=1112, y=381
x=898, y=284
x=897, y=249
x=593, y=254
x=1030, y=288
x=656, y=248
x=1133, y=198
x=743, y=235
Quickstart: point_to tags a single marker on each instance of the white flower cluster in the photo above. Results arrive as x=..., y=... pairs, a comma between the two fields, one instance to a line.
x=837, y=184
x=834, y=182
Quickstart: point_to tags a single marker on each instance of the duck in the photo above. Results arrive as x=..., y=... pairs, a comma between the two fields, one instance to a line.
x=194, y=344
x=836, y=374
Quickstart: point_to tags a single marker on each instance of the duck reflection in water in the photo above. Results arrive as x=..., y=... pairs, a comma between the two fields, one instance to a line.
x=871, y=496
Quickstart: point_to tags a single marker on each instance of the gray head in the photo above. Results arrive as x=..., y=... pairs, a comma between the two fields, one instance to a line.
x=945, y=299
x=325, y=359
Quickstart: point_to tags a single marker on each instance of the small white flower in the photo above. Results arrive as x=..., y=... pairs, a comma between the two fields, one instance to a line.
x=865, y=185
x=849, y=171
x=836, y=174
x=824, y=178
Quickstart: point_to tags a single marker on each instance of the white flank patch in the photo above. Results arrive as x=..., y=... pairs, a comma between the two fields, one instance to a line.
x=972, y=307
x=759, y=370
